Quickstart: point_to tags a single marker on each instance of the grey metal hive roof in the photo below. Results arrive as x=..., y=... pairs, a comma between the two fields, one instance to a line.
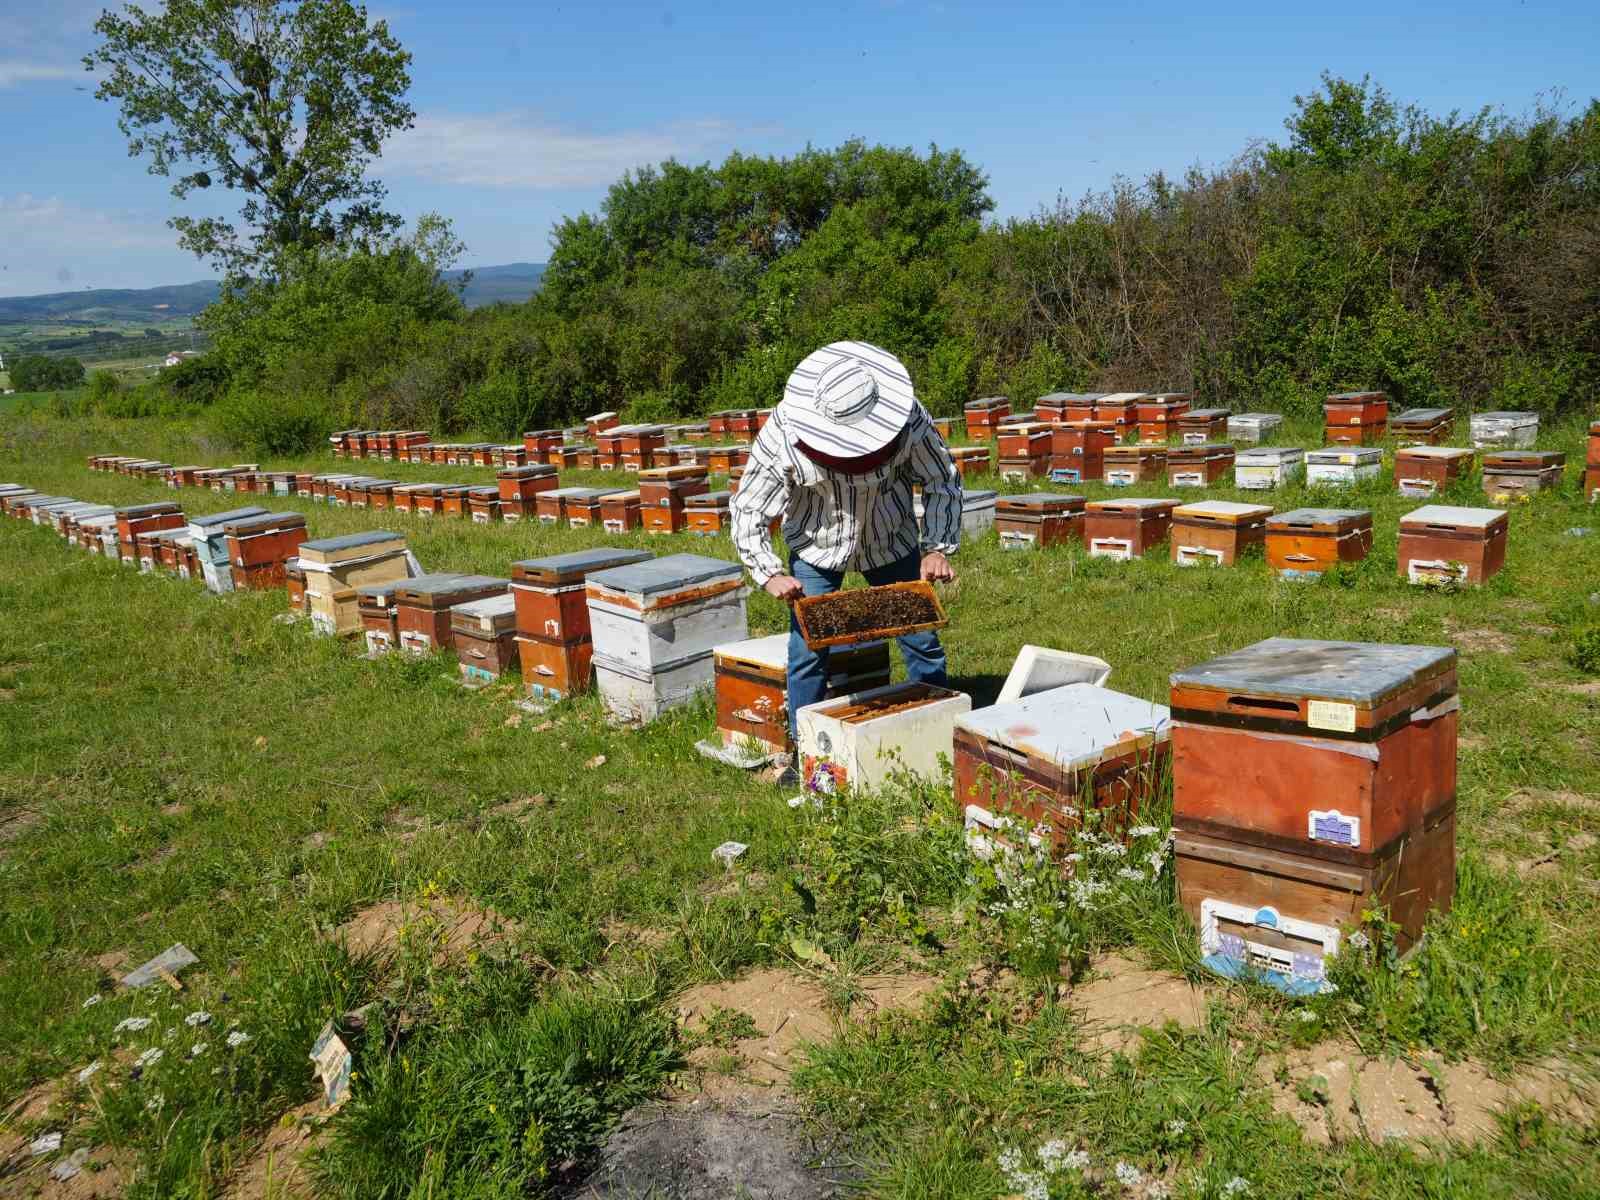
x=349, y=541
x=217, y=520
x=657, y=575
x=1356, y=672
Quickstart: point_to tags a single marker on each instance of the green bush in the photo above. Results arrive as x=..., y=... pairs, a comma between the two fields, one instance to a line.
x=1585, y=653
x=270, y=423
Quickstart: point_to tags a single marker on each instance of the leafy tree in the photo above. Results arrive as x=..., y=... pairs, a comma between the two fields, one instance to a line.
x=38, y=373
x=287, y=101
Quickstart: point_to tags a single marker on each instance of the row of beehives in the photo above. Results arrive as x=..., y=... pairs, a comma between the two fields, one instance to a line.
x=1273, y=872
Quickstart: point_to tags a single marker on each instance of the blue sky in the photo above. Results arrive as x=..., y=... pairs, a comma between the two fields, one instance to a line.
x=527, y=111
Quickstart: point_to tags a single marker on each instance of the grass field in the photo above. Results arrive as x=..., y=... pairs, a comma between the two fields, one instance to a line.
x=176, y=766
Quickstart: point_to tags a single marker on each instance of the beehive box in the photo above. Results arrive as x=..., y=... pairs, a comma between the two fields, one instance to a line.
x=1441, y=543
x=664, y=493
x=484, y=505
x=1057, y=407
x=1266, y=468
x=1128, y=465
x=1591, y=484
x=1253, y=427
x=751, y=679
x=1038, y=519
x=92, y=532
x=336, y=566
x=1029, y=417
x=1126, y=528
x=259, y=545
x=1199, y=465
x=698, y=432
x=519, y=488
x=1218, y=532
x=145, y=551
x=971, y=460
x=863, y=740
x=1199, y=426
x=977, y=511
x=553, y=670
x=1026, y=439
x=1158, y=415
x=550, y=506
x=484, y=632
x=687, y=454
x=538, y=443
x=1121, y=409
x=582, y=505
x=662, y=611
x=1423, y=470
x=600, y=422
x=1510, y=475
x=1064, y=759
x=454, y=500
x=1504, y=430
x=1593, y=459
x=131, y=520
x=1077, y=450
x=549, y=592
x=723, y=459
x=294, y=581
x=1423, y=426
x=1343, y=467
x=379, y=613
x=984, y=414
x=1305, y=542
x=620, y=512
x=425, y=602
x=707, y=515
x=172, y=548
x=1022, y=470
x=1356, y=418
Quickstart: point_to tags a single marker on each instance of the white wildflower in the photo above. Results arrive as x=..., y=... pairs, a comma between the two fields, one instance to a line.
x=1076, y=1161
x=1176, y=1126
x=199, y=1048
x=1051, y=1154
x=1360, y=940
x=1157, y=1189
x=92, y=1000
x=1157, y=860
x=1143, y=831
x=1237, y=1186
x=1113, y=849
x=1033, y=1185
x=155, y=1102
x=197, y=1018
x=237, y=1038
x=150, y=1057
x=1127, y=1174
x=1132, y=874
x=1304, y=1015
x=88, y=1072
x=131, y=1025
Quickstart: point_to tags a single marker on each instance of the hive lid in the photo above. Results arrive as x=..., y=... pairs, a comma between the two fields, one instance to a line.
x=94, y=510
x=201, y=525
x=1524, y=459
x=656, y=575
x=1447, y=452
x=1510, y=418
x=1320, y=518
x=1140, y=504
x=1052, y=501
x=771, y=651
x=531, y=471
x=1124, y=397
x=1228, y=510
x=977, y=497
x=1355, y=397
x=484, y=492
x=1268, y=456
x=600, y=416
x=1348, y=456
x=1203, y=449
x=1135, y=452
x=265, y=520
x=652, y=430
x=1422, y=416
x=171, y=535
x=1072, y=726
x=372, y=485
x=574, y=565
x=503, y=605
x=1453, y=515
x=1257, y=418
x=319, y=549
x=101, y=521
x=1203, y=414
x=147, y=510
x=1362, y=673
x=987, y=403
x=585, y=493
x=668, y=474
x=1071, y=399
x=367, y=592
x=709, y=500
x=447, y=583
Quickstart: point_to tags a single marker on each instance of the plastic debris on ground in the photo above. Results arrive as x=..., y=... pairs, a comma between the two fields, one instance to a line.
x=728, y=851
x=740, y=755
x=165, y=965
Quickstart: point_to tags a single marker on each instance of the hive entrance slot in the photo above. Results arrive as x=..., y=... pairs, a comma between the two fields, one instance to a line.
x=1261, y=704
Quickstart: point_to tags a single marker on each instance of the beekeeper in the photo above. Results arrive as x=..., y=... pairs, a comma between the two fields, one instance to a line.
x=837, y=462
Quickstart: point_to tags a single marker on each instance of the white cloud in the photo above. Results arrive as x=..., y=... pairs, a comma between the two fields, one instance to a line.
x=519, y=150
x=48, y=244
x=13, y=73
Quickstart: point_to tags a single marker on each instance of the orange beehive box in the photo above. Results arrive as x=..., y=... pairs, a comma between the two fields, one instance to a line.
x=620, y=512
x=752, y=685
x=551, y=506
x=1424, y=470
x=1125, y=466
x=1038, y=519
x=484, y=632
x=520, y=486
x=453, y=500
x=549, y=592
x=424, y=603
x=139, y=518
x=984, y=415
x=582, y=506
x=484, y=505
x=1199, y=465
x=1029, y=439
x=599, y=422
x=1066, y=406
x=1121, y=409
x=1307, y=541
x=258, y=547
x=1356, y=408
x=566, y=458
x=1158, y=414
x=1517, y=474
x=971, y=460
x=539, y=442
x=1126, y=528
x=1591, y=484
x=1077, y=450
x=379, y=613
x=554, y=670
x=707, y=515
x=294, y=582
x=1440, y=543
x=724, y=458
x=1217, y=531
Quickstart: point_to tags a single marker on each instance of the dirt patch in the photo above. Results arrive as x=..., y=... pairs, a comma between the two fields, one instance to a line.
x=103, y=1175
x=1471, y=741
x=1337, y=1095
x=1591, y=688
x=626, y=934
x=1492, y=641
x=1527, y=798
x=315, y=841
x=518, y=810
x=111, y=962
x=277, y=1170
x=448, y=927
x=175, y=809
x=1121, y=997
x=784, y=1010
x=15, y=822
x=705, y=1150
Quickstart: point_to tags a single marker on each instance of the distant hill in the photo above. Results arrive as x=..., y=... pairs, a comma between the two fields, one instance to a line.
x=508, y=282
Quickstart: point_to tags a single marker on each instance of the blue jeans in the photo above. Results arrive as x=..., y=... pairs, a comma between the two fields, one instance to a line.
x=808, y=668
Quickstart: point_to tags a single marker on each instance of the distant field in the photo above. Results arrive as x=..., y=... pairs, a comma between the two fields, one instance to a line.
x=176, y=766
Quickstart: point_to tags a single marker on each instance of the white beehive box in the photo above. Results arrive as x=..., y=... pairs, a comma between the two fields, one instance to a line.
x=1252, y=427
x=1269, y=467
x=641, y=694
x=977, y=511
x=1505, y=430
x=861, y=741
x=662, y=611
x=95, y=530
x=1344, y=467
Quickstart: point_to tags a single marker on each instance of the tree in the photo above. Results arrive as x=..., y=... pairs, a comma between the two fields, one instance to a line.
x=40, y=373
x=287, y=101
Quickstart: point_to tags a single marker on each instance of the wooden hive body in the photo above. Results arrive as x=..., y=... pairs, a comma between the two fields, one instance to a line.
x=1441, y=543
x=1217, y=531
x=1126, y=528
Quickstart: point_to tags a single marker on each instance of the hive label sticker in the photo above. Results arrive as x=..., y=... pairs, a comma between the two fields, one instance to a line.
x=1330, y=825
x=1187, y=479
x=1331, y=715
x=1347, y=459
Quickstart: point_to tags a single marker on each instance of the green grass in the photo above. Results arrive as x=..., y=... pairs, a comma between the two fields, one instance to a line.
x=166, y=755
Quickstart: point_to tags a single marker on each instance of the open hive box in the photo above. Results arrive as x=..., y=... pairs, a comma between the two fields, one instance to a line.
x=752, y=683
x=863, y=740
x=869, y=614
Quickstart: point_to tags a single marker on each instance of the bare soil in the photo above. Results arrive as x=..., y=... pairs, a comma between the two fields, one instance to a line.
x=451, y=927
x=1121, y=997
x=277, y=1170
x=866, y=611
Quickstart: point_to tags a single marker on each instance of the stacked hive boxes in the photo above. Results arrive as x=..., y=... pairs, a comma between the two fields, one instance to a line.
x=1158, y=415
x=708, y=514
x=336, y=567
x=553, y=637
x=484, y=632
x=664, y=492
x=1312, y=781
x=1067, y=758
x=136, y=519
x=423, y=618
x=210, y=534
x=1356, y=418
x=983, y=416
x=260, y=545
x=1121, y=409
x=1077, y=450
x=752, y=681
x=655, y=624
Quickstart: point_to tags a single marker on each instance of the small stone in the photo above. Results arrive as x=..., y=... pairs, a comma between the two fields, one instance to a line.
x=70, y=1166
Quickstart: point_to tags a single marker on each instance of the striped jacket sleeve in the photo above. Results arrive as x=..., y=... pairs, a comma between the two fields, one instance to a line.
x=763, y=495
x=935, y=470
